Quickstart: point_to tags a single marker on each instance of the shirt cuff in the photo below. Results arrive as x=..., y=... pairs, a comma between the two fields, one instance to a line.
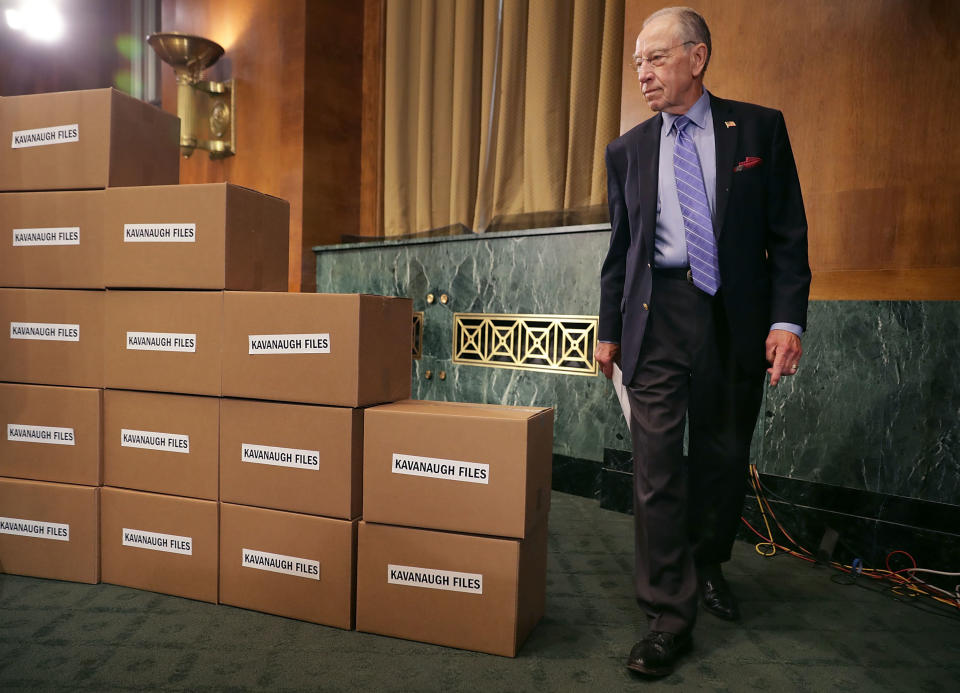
x=607, y=341
x=789, y=327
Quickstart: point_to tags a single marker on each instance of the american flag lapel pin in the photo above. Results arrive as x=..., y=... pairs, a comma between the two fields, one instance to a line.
x=730, y=123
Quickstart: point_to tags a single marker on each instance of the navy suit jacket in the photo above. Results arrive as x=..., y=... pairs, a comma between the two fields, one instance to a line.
x=761, y=232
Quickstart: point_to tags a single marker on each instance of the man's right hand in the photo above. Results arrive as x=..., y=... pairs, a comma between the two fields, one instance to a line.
x=606, y=355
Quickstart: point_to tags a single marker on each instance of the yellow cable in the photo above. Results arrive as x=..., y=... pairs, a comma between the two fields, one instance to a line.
x=900, y=582
x=769, y=542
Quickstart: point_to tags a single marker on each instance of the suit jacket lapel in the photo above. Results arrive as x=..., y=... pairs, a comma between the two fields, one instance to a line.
x=726, y=143
x=648, y=166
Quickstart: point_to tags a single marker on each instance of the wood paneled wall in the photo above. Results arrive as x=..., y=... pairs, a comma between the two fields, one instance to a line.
x=332, y=125
x=371, y=165
x=298, y=66
x=869, y=93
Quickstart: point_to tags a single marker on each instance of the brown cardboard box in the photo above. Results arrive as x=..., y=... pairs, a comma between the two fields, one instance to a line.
x=296, y=457
x=299, y=566
x=51, y=433
x=460, y=590
x=476, y=468
x=164, y=341
x=207, y=236
x=160, y=543
x=348, y=350
x=52, y=337
x=50, y=530
x=98, y=138
x=161, y=443
x=52, y=239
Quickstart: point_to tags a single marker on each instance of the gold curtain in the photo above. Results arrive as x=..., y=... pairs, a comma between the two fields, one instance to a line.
x=497, y=108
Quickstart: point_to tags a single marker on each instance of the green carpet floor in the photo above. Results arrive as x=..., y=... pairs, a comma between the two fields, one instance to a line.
x=801, y=632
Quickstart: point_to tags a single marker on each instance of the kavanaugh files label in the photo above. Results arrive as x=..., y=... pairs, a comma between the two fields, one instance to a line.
x=171, y=543
x=289, y=343
x=161, y=341
x=52, y=435
x=454, y=470
x=280, y=457
x=159, y=233
x=37, y=137
x=278, y=563
x=435, y=579
x=34, y=528
x=151, y=440
x=57, y=235
x=46, y=331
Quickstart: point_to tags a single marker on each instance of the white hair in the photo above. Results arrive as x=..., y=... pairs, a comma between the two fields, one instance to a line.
x=693, y=27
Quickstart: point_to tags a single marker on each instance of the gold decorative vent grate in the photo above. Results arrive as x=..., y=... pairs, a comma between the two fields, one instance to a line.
x=551, y=343
x=417, y=334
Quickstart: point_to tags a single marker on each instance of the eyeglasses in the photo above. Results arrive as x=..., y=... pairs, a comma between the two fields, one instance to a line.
x=659, y=58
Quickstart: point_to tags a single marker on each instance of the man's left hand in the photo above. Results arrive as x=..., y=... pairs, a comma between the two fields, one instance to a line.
x=783, y=354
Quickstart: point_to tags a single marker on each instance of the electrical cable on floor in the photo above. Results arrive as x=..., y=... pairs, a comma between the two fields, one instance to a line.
x=903, y=583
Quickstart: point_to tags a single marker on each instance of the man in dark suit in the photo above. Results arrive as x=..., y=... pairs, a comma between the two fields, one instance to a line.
x=704, y=287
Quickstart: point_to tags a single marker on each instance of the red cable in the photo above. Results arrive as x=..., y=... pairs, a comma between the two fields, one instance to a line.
x=893, y=576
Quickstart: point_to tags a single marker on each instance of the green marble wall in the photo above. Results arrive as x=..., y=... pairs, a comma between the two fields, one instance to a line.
x=876, y=405
x=524, y=272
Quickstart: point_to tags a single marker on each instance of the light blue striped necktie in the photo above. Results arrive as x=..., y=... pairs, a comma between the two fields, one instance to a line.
x=701, y=244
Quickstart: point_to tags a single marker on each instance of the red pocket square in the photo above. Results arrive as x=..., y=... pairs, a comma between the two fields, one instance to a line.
x=748, y=162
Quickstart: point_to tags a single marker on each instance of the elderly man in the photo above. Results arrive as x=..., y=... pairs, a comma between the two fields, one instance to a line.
x=704, y=287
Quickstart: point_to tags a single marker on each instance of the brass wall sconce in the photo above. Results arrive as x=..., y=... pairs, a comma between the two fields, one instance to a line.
x=207, y=110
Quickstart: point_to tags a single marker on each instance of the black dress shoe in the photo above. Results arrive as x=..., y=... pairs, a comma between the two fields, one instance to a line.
x=656, y=654
x=716, y=596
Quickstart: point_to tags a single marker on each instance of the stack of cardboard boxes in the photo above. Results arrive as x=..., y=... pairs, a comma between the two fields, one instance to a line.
x=291, y=450
x=65, y=150
x=453, y=545
x=231, y=429
x=170, y=252
x=242, y=431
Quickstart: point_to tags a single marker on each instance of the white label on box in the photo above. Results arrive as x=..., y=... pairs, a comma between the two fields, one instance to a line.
x=280, y=457
x=289, y=343
x=58, y=134
x=46, y=331
x=151, y=440
x=161, y=341
x=159, y=233
x=171, y=543
x=435, y=579
x=53, y=435
x=56, y=235
x=34, y=528
x=278, y=563
x=454, y=470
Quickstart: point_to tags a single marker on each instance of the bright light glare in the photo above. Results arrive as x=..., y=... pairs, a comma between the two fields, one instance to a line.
x=14, y=19
x=39, y=19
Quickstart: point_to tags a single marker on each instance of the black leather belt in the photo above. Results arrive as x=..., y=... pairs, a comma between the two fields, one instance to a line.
x=674, y=273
